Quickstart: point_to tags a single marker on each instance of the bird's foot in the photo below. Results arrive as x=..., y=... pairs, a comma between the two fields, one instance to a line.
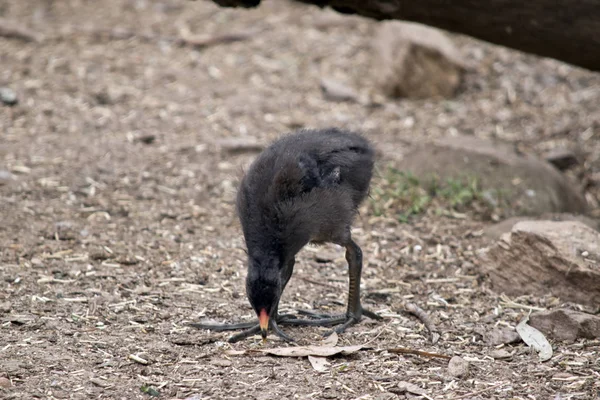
x=250, y=328
x=320, y=316
x=344, y=320
x=256, y=329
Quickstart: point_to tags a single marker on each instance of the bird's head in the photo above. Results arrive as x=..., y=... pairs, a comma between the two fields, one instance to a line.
x=263, y=287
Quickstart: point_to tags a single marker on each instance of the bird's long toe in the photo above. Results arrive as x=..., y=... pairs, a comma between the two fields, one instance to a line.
x=371, y=314
x=325, y=320
x=244, y=334
x=223, y=327
x=317, y=315
x=343, y=320
x=281, y=333
x=342, y=328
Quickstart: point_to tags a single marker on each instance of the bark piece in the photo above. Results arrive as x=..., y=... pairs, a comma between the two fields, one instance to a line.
x=565, y=324
x=547, y=258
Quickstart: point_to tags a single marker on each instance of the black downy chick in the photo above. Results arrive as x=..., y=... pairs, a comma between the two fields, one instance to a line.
x=304, y=188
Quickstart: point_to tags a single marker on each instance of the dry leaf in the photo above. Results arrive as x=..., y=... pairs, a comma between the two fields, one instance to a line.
x=318, y=363
x=534, y=338
x=331, y=340
x=320, y=351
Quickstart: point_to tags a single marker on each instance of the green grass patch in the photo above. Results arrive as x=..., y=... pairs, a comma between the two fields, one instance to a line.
x=403, y=195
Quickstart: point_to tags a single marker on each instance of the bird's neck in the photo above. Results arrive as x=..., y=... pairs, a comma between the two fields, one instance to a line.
x=268, y=255
x=266, y=261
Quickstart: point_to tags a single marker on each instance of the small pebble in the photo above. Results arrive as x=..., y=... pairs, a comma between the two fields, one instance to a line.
x=5, y=307
x=5, y=383
x=8, y=96
x=6, y=177
x=500, y=354
x=458, y=367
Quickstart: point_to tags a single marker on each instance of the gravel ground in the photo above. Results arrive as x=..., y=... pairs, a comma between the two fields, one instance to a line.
x=117, y=207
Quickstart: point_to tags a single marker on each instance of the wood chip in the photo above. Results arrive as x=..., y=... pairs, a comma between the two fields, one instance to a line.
x=404, y=350
x=138, y=359
x=100, y=382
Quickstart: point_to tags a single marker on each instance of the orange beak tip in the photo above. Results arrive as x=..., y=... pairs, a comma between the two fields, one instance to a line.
x=263, y=320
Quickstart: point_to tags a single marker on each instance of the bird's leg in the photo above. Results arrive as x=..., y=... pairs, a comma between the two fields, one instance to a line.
x=355, y=310
x=353, y=313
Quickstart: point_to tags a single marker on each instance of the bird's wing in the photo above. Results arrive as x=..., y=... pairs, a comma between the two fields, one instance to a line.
x=302, y=175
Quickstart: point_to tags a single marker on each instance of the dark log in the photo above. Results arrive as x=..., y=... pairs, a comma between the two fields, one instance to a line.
x=565, y=30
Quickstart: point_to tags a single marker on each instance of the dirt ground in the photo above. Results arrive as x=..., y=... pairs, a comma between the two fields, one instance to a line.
x=119, y=227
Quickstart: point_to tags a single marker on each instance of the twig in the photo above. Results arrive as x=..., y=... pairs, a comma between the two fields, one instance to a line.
x=422, y=315
x=404, y=350
x=10, y=30
x=508, y=303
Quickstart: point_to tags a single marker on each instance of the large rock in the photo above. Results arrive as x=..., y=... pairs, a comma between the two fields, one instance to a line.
x=521, y=183
x=495, y=231
x=416, y=61
x=547, y=257
x=565, y=324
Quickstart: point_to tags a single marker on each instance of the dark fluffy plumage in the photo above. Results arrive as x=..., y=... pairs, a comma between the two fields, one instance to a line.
x=305, y=187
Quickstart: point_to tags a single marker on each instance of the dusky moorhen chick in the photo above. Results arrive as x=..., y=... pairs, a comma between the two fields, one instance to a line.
x=304, y=188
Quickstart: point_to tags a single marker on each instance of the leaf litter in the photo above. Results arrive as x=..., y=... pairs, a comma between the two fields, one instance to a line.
x=534, y=338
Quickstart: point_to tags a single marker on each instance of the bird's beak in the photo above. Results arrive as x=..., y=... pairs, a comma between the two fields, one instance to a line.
x=263, y=320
